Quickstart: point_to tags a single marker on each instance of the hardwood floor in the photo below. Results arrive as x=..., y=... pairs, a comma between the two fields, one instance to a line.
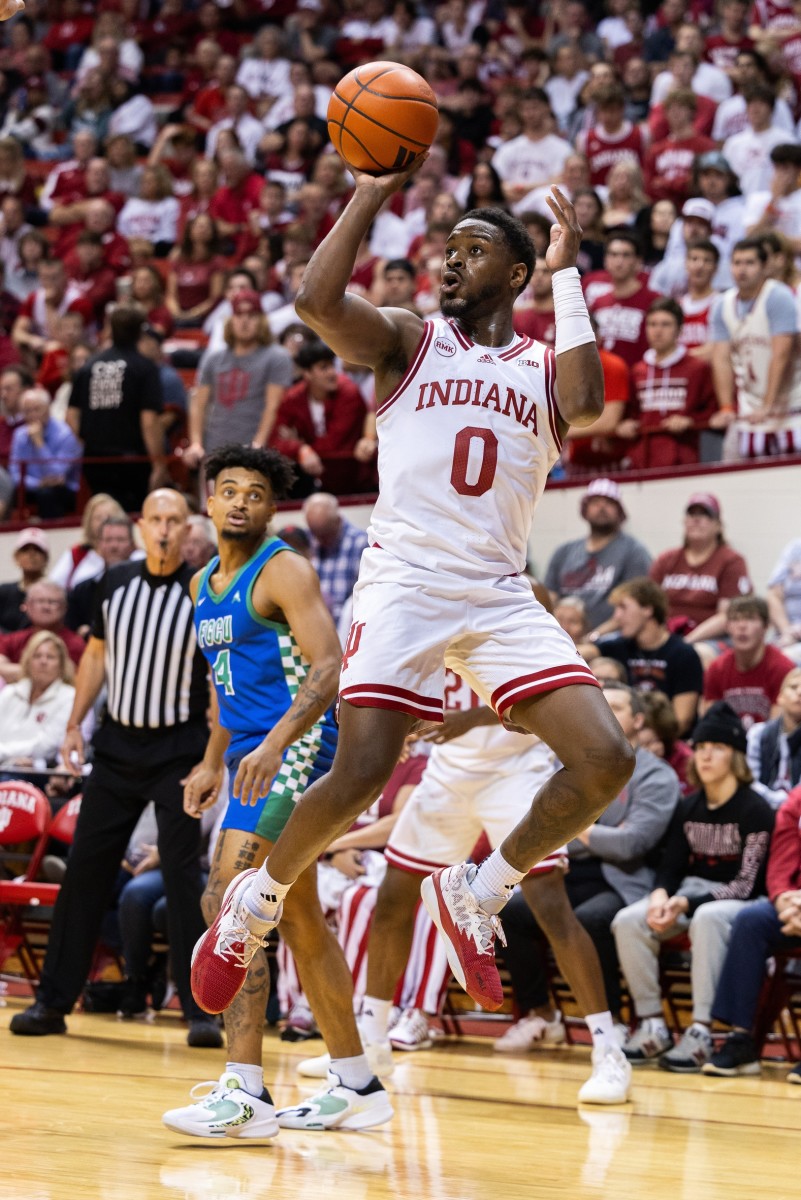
x=81, y=1120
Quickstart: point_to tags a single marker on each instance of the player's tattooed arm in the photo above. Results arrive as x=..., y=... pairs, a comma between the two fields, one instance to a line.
x=313, y=698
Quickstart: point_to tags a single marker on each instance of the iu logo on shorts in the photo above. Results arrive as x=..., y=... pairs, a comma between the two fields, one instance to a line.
x=352, y=644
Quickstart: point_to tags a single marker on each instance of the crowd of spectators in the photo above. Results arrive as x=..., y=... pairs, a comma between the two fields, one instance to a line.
x=165, y=175
x=173, y=157
x=715, y=720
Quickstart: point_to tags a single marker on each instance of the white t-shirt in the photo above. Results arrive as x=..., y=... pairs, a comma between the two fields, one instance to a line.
x=156, y=220
x=730, y=117
x=526, y=161
x=788, y=208
x=748, y=155
x=708, y=81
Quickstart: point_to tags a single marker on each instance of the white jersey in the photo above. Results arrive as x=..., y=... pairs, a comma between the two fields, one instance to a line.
x=751, y=346
x=465, y=444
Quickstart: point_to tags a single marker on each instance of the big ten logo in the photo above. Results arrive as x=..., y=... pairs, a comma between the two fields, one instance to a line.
x=445, y=347
x=458, y=696
x=5, y=818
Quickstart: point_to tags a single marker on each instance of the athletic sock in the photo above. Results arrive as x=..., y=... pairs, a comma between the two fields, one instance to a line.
x=374, y=1019
x=602, y=1029
x=494, y=881
x=251, y=1076
x=353, y=1072
x=262, y=901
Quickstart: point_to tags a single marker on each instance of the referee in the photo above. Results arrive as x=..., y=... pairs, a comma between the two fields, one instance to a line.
x=154, y=731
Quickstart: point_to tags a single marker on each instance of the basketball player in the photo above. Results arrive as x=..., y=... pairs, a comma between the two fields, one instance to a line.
x=470, y=419
x=478, y=779
x=273, y=654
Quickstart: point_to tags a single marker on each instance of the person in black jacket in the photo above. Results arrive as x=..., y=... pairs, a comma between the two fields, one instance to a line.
x=713, y=864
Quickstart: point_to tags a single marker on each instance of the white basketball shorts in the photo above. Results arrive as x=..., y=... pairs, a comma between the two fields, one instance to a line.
x=450, y=809
x=410, y=624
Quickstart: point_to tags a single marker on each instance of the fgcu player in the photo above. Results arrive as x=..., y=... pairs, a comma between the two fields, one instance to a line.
x=274, y=656
x=470, y=420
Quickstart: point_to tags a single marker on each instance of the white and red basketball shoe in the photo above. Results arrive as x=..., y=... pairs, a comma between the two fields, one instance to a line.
x=221, y=957
x=468, y=931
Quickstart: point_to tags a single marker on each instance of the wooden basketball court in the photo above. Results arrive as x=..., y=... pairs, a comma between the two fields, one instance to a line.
x=81, y=1120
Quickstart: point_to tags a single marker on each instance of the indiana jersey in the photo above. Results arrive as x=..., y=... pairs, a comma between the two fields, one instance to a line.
x=256, y=666
x=465, y=444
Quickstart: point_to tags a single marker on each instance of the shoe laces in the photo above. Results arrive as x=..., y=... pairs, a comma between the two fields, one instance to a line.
x=481, y=926
x=238, y=944
x=210, y=1090
x=612, y=1064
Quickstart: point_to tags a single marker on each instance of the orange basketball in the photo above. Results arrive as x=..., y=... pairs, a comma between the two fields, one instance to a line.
x=381, y=117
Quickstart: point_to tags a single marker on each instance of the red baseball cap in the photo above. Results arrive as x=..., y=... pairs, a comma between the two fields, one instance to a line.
x=705, y=500
x=246, y=301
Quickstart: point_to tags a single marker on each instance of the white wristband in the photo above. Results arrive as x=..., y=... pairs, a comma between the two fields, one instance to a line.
x=572, y=320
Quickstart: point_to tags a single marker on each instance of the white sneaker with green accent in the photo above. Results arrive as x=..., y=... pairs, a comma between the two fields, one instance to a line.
x=339, y=1107
x=225, y=1110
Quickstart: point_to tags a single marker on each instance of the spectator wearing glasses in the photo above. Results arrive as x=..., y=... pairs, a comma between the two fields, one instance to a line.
x=46, y=607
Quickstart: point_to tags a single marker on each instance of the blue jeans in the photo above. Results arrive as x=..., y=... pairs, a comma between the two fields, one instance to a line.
x=755, y=935
x=142, y=911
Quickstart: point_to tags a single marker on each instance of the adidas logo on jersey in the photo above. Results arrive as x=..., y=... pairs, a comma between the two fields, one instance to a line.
x=485, y=358
x=236, y=598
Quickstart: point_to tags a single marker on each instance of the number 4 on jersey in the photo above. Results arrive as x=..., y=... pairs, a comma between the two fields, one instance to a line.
x=221, y=672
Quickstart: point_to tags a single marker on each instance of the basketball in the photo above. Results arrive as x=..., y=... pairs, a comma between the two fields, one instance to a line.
x=381, y=117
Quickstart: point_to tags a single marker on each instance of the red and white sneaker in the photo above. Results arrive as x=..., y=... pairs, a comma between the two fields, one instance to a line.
x=468, y=932
x=221, y=957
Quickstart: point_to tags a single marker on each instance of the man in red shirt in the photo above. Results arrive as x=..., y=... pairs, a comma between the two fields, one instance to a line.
x=613, y=138
x=46, y=606
x=672, y=394
x=69, y=213
x=68, y=178
x=749, y=677
x=620, y=313
x=723, y=47
x=39, y=315
x=87, y=269
x=669, y=163
x=208, y=103
x=537, y=319
x=595, y=447
x=320, y=426
x=701, y=264
x=238, y=196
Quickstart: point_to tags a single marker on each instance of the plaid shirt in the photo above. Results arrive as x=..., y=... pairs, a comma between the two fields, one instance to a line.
x=338, y=566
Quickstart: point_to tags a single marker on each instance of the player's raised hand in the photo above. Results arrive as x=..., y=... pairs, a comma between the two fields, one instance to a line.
x=386, y=184
x=565, y=234
x=10, y=8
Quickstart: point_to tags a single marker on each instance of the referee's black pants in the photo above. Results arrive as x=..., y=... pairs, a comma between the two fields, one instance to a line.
x=113, y=800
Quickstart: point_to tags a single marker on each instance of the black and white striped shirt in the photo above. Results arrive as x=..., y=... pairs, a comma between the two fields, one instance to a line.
x=155, y=674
